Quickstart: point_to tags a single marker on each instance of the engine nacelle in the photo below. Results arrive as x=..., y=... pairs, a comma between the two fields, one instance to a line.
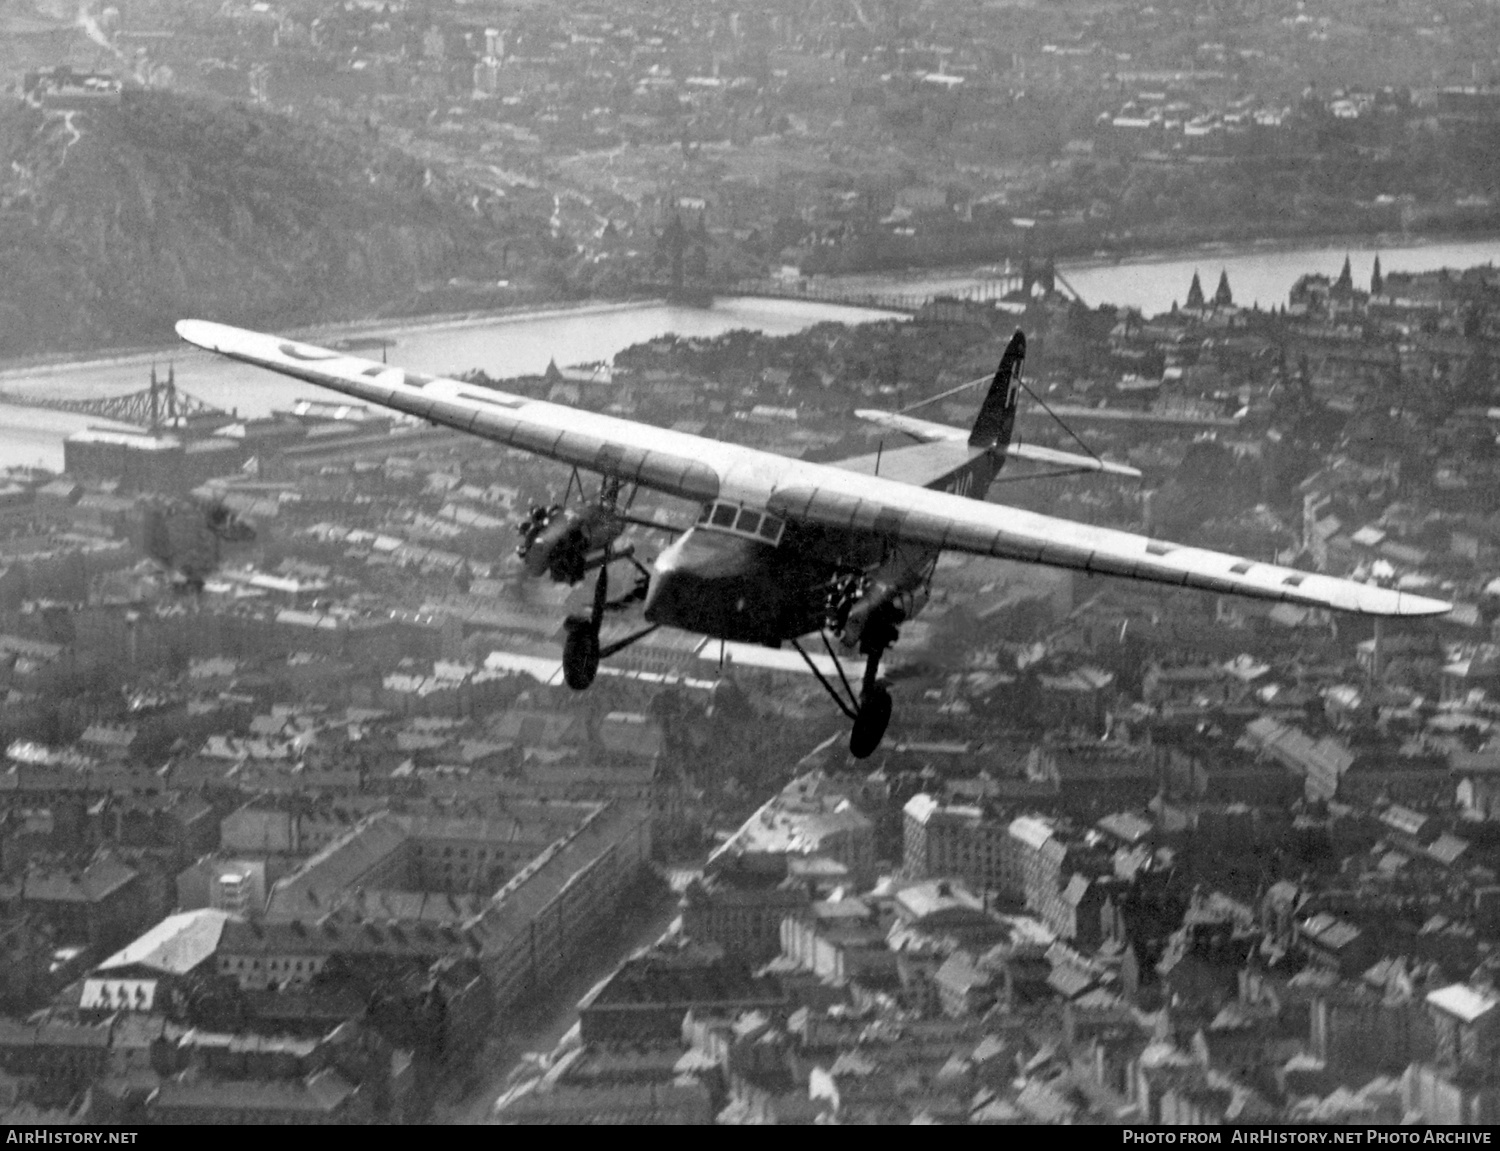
x=562, y=542
x=885, y=607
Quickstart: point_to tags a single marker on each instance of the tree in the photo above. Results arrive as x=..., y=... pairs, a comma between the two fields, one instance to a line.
x=669, y=247
x=1476, y=383
x=804, y=377
x=27, y=946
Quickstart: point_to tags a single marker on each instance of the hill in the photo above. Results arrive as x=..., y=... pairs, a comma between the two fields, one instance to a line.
x=116, y=221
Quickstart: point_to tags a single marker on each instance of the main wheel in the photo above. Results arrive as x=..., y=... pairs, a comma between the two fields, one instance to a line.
x=580, y=653
x=870, y=724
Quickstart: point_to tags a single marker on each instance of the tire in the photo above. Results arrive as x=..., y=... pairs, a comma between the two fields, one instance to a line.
x=869, y=726
x=580, y=654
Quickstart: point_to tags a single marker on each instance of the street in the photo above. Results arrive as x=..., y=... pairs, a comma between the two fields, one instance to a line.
x=540, y=1028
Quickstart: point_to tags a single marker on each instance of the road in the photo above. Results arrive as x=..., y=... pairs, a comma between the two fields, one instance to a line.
x=543, y=1026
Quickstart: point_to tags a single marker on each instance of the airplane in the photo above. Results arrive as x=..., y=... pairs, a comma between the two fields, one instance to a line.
x=786, y=548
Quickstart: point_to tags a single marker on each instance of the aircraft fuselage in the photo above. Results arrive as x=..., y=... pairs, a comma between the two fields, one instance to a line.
x=735, y=587
x=729, y=587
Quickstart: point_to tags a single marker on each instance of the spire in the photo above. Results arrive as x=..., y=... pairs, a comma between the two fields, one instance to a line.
x=1223, y=298
x=1377, y=281
x=1346, y=278
x=1195, y=293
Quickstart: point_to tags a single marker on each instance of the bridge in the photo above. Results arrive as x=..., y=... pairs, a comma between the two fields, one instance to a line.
x=154, y=407
x=992, y=288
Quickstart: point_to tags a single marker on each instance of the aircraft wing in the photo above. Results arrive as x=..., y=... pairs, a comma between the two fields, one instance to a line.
x=941, y=520
x=700, y=469
x=929, y=432
x=665, y=461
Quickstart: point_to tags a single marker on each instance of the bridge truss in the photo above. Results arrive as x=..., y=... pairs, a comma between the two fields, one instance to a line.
x=155, y=407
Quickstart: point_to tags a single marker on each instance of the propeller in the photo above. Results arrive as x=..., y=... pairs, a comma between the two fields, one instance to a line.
x=899, y=672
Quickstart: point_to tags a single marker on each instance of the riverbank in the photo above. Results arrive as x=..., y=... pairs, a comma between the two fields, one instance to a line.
x=337, y=330
x=1260, y=273
x=1277, y=245
x=906, y=279
x=516, y=342
x=897, y=281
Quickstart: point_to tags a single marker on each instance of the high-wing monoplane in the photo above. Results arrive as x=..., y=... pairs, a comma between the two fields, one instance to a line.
x=784, y=549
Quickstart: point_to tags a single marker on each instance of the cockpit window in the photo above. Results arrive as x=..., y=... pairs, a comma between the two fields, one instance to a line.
x=742, y=521
x=724, y=516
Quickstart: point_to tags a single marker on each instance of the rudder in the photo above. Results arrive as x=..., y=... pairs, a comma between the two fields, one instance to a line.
x=997, y=416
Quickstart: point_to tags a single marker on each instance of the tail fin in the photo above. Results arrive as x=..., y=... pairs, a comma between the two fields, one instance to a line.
x=997, y=418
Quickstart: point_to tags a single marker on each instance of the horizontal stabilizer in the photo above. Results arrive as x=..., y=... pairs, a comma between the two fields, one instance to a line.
x=1041, y=455
x=923, y=465
x=929, y=432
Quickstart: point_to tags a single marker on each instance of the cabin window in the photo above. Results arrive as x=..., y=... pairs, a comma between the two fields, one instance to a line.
x=749, y=522
x=770, y=529
x=724, y=516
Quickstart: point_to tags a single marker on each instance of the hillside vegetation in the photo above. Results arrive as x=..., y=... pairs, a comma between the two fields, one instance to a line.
x=114, y=222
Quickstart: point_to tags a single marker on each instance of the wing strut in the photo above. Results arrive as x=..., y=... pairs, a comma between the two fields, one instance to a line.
x=832, y=691
x=870, y=711
x=837, y=664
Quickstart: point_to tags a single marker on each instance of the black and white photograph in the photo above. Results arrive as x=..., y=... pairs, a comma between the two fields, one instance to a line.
x=670, y=562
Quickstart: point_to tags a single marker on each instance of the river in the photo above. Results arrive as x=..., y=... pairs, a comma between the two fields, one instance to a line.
x=1257, y=275
x=512, y=345
x=500, y=345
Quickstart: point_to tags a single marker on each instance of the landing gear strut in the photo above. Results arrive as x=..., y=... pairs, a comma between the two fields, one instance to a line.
x=581, y=648
x=871, y=712
x=870, y=720
x=874, y=712
x=581, y=645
